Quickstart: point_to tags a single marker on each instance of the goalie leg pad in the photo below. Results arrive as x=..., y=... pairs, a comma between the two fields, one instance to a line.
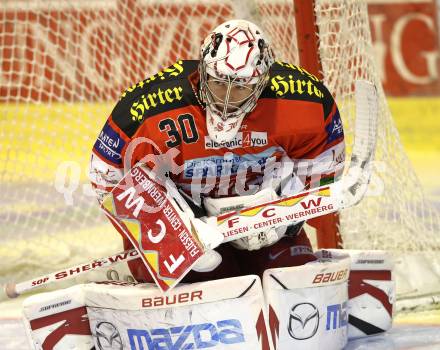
x=221, y=314
x=195, y=316
x=58, y=320
x=372, y=290
x=308, y=304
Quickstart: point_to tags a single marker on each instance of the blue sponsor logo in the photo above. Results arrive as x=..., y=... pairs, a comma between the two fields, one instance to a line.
x=334, y=129
x=229, y=164
x=109, y=144
x=337, y=316
x=195, y=336
x=216, y=167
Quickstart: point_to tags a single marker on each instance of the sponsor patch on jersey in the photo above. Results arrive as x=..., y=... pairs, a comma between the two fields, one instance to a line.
x=288, y=86
x=154, y=100
x=334, y=128
x=230, y=164
x=109, y=145
x=172, y=71
x=243, y=139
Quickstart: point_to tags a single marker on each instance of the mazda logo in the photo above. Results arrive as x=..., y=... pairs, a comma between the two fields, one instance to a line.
x=108, y=337
x=303, y=321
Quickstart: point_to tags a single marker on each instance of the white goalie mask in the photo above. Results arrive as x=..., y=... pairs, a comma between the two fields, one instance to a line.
x=234, y=59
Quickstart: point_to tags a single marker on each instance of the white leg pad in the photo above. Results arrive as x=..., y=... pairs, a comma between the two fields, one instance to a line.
x=372, y=292
x=225, y=314
x=308, y=304
x=58, y=320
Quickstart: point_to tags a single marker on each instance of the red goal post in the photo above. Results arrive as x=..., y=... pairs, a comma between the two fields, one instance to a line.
x=327, y=227
x=65, y=63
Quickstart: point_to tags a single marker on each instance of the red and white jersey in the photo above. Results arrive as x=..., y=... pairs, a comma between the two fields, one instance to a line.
x=162, y=118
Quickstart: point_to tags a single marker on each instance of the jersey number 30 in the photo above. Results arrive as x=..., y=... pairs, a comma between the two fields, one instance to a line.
x=188, y=131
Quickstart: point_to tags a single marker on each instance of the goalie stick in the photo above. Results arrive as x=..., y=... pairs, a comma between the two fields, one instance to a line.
x=13, y=290
x=320, y=201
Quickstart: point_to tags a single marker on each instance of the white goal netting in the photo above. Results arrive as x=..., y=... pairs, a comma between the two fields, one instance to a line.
x=65, y=63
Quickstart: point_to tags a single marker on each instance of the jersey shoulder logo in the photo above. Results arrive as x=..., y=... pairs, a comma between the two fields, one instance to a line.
x=173, y=71
x=289, y=66
x=334, y=129
x=293, y=82
x=167, y=90
x=109, y=144
x=156, y=98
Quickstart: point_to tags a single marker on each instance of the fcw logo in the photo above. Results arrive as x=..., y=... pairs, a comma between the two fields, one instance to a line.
x=315, y=203
x=131, y=201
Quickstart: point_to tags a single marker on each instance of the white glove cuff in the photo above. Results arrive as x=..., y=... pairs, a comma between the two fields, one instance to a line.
x=208, y=261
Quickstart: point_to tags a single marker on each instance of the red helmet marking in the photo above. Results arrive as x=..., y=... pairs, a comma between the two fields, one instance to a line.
x=235, y=35
x=241, y=66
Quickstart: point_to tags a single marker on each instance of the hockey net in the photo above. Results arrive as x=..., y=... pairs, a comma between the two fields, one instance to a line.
x=65, y=63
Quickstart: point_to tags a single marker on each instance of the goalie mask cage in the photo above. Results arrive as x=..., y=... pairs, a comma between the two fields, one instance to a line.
x=64, y=65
